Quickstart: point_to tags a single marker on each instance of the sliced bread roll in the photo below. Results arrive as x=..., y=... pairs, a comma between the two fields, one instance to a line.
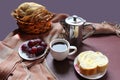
x=102, y=62
x=91, y=63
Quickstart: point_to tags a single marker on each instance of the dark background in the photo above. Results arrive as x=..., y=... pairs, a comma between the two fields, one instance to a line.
x=91, y=10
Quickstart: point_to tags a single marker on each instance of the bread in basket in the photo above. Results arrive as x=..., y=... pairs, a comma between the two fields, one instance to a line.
x=33, y=18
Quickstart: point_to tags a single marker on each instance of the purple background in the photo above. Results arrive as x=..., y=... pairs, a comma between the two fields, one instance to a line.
x=91, y=10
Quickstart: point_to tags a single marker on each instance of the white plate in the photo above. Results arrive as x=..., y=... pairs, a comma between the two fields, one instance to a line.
x=96, y=76
x=26, y=57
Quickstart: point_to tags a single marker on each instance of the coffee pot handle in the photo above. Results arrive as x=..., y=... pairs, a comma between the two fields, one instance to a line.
x=86, y=35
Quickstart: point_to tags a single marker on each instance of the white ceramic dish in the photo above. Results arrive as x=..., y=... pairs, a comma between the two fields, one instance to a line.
x=97, y=76
x=26, y=57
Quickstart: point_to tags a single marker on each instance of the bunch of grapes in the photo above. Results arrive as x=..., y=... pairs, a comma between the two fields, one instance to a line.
x=35, y=46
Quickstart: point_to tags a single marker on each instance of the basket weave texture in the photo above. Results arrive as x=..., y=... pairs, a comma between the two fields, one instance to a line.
x=33, y=18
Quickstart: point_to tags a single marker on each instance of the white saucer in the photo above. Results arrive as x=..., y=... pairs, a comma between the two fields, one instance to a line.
x=26, y=57
x=96, y=76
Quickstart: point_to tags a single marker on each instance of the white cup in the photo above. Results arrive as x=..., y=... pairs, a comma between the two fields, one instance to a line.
x=60, y=49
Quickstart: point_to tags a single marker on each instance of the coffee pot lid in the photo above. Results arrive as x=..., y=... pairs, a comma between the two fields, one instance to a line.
x=75, y=20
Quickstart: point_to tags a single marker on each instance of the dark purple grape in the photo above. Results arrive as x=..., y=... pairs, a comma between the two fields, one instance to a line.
x=40, y=49
x=34, y=50
x=24, y=48
x=43, y=44
x=29, y=51
x=31, y=43
x=38, y=41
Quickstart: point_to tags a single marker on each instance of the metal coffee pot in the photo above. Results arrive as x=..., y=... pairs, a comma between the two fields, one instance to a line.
x=73, y=26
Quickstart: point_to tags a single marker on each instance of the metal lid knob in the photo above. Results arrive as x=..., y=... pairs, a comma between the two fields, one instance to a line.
x=74, y=20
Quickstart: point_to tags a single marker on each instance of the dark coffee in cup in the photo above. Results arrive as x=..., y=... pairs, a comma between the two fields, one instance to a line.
x=59, y=46
x=60, y=49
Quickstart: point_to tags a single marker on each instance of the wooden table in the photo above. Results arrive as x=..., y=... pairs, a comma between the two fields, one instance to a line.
x=107, y=44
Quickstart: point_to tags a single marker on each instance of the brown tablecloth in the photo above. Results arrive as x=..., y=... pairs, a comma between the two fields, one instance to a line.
x=107, y=44
x=13, y=67
x=64, y=70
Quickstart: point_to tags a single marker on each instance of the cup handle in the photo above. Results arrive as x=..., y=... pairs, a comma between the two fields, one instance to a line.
x=74, y=50
x=90, y=33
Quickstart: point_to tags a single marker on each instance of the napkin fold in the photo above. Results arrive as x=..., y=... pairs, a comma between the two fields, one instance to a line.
x=103, y=28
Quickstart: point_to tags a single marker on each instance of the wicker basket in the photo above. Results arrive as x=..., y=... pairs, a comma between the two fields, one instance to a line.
x=34, y=28
x=33, y=18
